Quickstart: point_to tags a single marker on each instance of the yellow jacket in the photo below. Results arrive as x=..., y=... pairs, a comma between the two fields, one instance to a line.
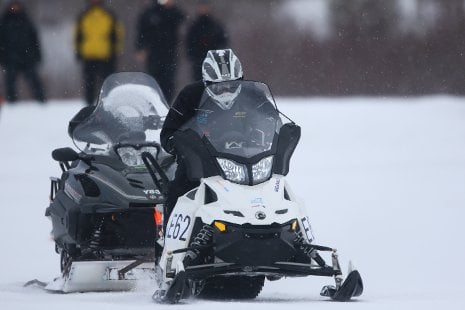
x=99, y=35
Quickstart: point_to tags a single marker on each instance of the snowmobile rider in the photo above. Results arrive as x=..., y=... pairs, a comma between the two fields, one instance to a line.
x=218, y=66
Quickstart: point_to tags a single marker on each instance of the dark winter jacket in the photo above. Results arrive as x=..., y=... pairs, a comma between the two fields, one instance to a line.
x=181, y=111
x=19, y=43
x=158, y=32
x=203, y=35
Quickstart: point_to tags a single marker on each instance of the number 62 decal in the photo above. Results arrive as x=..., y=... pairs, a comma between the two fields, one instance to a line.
x=178, y=227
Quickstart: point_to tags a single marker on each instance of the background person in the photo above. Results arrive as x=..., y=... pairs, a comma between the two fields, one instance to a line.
x=19, y=51
x=204, y=34
x=98, y=40
x=157, y=42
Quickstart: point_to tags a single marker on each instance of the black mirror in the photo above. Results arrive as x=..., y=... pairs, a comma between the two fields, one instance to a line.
x=65, y=154
x=289, y=136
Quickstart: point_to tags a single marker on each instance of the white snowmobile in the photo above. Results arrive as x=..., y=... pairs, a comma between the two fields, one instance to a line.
x=243, y=223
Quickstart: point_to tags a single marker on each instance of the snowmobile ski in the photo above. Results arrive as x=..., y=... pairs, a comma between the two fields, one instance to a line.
x=352, y=287
x=174, y=293
x=101, y=276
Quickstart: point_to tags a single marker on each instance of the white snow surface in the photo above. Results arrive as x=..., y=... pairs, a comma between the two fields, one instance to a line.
x=383, y=180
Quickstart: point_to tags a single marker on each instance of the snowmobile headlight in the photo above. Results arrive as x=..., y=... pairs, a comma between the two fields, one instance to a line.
x=149, y=149
x=129, y=156
x=233, y=171
x=261, y=171
x=132, y=157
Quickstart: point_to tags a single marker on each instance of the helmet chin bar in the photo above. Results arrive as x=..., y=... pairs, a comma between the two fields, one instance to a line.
x=224, y=99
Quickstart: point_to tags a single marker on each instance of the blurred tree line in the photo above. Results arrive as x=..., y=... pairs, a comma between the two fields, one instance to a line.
x=372, y=47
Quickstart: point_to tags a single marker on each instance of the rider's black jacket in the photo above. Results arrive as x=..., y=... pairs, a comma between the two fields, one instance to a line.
x=180, y=112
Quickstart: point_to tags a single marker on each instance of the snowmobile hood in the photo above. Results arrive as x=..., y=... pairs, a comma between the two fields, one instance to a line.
x=267, y=203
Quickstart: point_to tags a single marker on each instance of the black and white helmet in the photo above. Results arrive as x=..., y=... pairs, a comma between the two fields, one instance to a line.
x=220, y=66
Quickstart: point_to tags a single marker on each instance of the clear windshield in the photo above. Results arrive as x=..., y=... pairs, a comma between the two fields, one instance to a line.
x=130, y=110
x=237, y=117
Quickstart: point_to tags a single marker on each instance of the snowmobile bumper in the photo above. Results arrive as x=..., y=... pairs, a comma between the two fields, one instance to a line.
x=343, y=291
x=102, y=276
x=274, y=250
x=278, y=269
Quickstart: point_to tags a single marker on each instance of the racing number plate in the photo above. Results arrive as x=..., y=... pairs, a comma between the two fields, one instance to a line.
x=178, y=227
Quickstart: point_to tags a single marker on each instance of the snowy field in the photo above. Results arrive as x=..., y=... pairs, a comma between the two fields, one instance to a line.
x=383, y=181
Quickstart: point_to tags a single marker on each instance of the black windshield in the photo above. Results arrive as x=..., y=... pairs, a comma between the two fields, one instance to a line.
x=238, y=118
x=236, y=121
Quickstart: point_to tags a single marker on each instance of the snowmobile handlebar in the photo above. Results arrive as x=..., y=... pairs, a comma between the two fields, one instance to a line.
x=152, y=164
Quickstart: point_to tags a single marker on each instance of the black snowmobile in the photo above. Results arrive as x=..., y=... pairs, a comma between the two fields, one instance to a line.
x=106, y=208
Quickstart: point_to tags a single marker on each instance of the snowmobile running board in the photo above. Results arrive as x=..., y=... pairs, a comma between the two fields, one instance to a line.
x=100, y=276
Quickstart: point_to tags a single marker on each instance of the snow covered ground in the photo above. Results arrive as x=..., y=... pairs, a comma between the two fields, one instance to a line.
x=383, y=181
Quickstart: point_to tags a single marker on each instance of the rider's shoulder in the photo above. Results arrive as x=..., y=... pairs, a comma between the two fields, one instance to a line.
x=194, y=86
x=193, y=90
